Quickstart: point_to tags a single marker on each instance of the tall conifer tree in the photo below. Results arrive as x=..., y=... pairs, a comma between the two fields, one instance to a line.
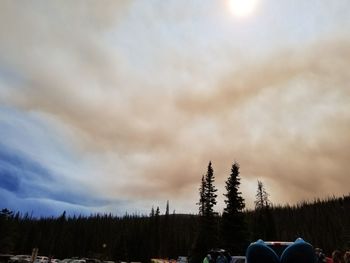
x=209, y=193
x=234, y=200
x=233, y=227
x=262, y=197
x=207, y=229
x=201, y=202
x=264, y=222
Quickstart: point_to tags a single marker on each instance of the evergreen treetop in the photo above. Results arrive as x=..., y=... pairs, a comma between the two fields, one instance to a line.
x=234, y=200
x=201, y=202
x=209, y=192
x=234, y=234
x=262, y=197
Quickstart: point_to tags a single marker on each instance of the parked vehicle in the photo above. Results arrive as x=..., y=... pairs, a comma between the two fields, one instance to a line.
x=92, y=260
x=66, y=260
x=215, y=253
x=182, y=259
x=41, y=259
x=78, y=261
x=238, y=259
x=20, y=259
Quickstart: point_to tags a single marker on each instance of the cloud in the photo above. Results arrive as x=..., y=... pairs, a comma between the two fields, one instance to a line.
x=18, y=173
x=41, y=207
x=284, y=119
x=28, y=179
x=145, y=119
x=37, y=168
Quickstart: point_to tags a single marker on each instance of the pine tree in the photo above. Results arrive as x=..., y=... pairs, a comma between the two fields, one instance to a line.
x=209, y=219
x=262, y=197
x=165, y=233
x=264, y=223
x=157, y=232
x=201, y=202
x=167, y=208
x=233, y=227
x=234, y=200
x=209, y=193
x=207, y=228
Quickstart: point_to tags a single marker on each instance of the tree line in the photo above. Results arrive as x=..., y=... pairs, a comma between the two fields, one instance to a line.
x=324, y=223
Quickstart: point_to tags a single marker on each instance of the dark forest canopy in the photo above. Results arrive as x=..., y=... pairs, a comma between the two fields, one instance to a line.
x=324, y=223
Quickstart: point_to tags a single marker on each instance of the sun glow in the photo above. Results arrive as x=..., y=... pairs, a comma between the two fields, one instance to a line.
x=242, y=8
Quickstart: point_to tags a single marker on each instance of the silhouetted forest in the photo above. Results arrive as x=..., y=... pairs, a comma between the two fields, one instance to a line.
x=323, y=223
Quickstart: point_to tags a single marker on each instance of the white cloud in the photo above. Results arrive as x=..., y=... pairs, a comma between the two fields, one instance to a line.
x=133, y=99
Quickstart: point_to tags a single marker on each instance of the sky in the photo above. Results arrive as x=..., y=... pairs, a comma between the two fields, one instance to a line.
x=118, y=106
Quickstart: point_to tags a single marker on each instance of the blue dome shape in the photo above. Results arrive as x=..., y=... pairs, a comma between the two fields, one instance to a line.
x=298, y=252
x=258, y=252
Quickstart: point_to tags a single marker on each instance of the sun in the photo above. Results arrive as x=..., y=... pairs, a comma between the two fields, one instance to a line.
x=242, y=8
